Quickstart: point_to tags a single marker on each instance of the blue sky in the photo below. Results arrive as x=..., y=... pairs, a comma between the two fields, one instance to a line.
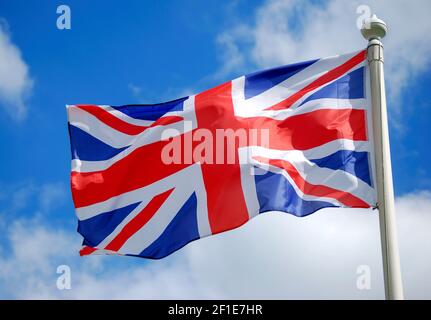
x=153, y=51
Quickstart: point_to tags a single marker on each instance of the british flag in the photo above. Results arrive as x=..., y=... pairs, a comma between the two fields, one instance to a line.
x=318, y=154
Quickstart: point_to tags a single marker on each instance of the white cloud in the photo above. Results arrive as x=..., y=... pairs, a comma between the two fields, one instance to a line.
x=275, y=255
x=16, y=198
x=414, y=233
x=51, y=195
x=36, y=250
x=287, y=31
x=21, y=196
x=230, y=55
x=15, y=81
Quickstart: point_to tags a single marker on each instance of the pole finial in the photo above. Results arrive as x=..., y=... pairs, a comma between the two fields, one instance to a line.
x=374, y=28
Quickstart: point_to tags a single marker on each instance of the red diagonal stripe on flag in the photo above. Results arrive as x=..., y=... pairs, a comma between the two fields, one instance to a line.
x=138, y=221
x=122, y=126
x=86, y=250
x=317, y=190
x=327, y=77
x=133, y=225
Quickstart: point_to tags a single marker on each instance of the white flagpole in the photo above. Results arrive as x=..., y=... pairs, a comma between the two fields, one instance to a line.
x=373, y=30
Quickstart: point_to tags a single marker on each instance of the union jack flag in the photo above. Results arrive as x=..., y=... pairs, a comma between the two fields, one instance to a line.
x=318, y=154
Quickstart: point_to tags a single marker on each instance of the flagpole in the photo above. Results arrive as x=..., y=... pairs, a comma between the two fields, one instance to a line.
x=374, y=30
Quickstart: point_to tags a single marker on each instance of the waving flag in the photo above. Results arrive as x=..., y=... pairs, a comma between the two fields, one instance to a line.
x=148, y=179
